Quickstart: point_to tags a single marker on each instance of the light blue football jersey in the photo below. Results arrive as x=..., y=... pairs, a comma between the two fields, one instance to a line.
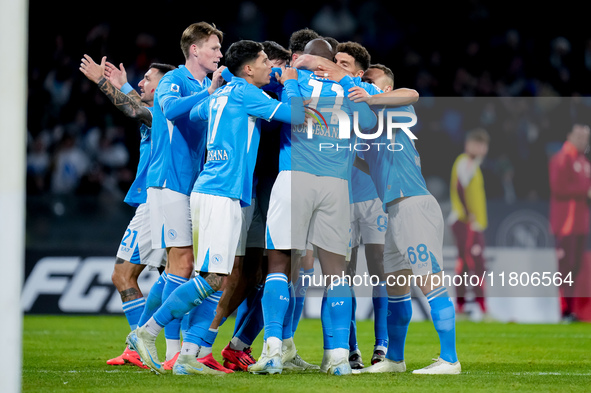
x=362, y=188
x=369, y=87
x=234, y=114
x=178, y=145
x=300, y=153
x=137, y=193
x=396, y=171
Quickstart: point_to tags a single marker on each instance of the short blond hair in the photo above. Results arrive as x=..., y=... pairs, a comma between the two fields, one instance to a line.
x=196, y=34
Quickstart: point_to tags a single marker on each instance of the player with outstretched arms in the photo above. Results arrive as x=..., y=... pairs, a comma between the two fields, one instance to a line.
x=135, y=251
x=233, y=116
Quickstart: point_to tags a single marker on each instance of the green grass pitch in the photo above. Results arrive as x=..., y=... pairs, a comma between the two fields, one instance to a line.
x=68, y=354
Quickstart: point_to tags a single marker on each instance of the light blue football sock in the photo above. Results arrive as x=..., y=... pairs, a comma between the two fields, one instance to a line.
x=133, y=310
x=327, y=334
x=183, y=300
x=380, y=311
x=200, y=318
x=300, y=289
x=339, y=304
x=444, y=319
x=275, y=303
x=154, y=299
x=254, y=322
x=245, y=308
x=353, y=329
x=172, y=331
x=398, y=319
x=288, y=319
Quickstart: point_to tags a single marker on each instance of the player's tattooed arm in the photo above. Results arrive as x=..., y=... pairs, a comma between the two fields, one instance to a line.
x=127, y=104
x=118, y=77
x=135, y=97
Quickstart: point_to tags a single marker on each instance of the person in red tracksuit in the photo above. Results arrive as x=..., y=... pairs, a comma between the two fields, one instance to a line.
x=570, y=192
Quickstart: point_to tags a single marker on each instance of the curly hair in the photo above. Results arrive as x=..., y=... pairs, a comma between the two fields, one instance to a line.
x=299, y=39
x=358, y=52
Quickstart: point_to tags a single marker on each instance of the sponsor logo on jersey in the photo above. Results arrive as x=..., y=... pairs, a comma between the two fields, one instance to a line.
x=217, y=155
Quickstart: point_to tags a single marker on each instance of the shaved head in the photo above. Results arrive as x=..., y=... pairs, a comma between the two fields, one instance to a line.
x=319, y=47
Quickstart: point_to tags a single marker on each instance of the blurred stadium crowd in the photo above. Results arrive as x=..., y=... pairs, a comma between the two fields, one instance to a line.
x=79, y=144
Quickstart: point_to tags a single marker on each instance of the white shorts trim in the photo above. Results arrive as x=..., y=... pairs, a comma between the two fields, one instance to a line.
x=278, y=231
x=308, y=208
x=170, y=218
x=136, y=244
x=414, y=238
x=217, y=223
x=368, y=222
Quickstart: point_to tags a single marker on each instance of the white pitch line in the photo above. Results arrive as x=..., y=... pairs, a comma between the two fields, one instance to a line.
x=530, y=373
x=84, y=371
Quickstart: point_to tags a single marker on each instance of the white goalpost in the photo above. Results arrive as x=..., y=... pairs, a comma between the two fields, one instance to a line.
x=13, y=99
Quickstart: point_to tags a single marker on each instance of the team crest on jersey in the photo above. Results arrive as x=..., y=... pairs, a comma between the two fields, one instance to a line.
x=175, y=88
x=217, y=259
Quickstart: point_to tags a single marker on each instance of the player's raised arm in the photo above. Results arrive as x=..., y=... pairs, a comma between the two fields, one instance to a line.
x=126, y=104
x=293, y=113
x=118, y=78
x=91, y=70
x=320, y=65
x=172, y=103
x=217, y=79
x=329, y=70
x=382, y=77
x=116, y=75
x=367, y=118
x=200, y=111
x=398, y=97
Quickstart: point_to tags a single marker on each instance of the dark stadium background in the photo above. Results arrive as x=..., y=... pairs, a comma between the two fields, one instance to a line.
x=442, y=49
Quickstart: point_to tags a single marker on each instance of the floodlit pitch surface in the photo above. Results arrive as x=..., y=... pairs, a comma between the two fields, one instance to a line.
x=68, y=354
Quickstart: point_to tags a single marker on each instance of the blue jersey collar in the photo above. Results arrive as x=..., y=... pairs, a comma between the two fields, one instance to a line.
x=185, y=71
x=237, y=79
